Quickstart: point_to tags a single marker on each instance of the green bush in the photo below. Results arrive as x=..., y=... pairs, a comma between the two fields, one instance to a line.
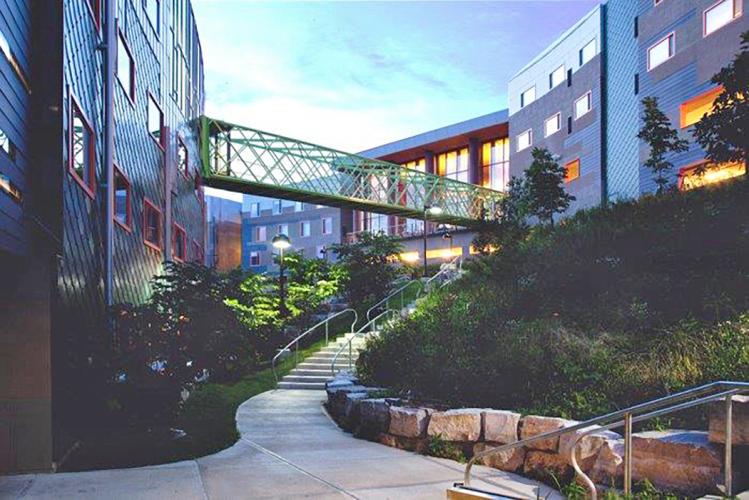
x=617, y=305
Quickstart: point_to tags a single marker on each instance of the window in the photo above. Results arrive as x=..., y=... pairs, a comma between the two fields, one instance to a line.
x=569, y=125
x=277, y=207
x=572, y=170
x=254, y=259
x=13, y=61
x=588, y=52
x=304, y=228
x=524, y=140
x=151, y=225
x=254, y=209
x=82, y=149
x=553, y=124
x=706, y=173
x=694, y=109
x=94, y=8
x=569, y=77
x=495, y=164
x=155, y=120
x=283, y=229
x=454, y=165
x=327, y=225
x=179, y=243
x=637, y=26
x=122, y=200
x=637, y=83
x=125, y=67
x=183, y=164
x=153, y=8
x=583, y=105
x=261, y=233
x=557, y=76
x=528, y=97
x=10, y=188
x=720, y=14
x=298, y=206
x=661, y=51
x=197, y=252
x=7, y=146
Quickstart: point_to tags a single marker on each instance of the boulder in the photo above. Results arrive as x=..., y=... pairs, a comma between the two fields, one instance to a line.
x=402, y=443
x=544, y=465
x=608, y=468
x=509, y=460
x=350, y=415
x=533, y=426
x=587, y=447
x=374, y=418
x=676, y=460
x=337, y=397
x=739, y=422
x=500, y=426
x=456, y=425
x=408, y=422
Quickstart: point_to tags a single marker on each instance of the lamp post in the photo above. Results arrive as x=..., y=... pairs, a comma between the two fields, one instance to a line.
x=432, y=211
x=281, y=242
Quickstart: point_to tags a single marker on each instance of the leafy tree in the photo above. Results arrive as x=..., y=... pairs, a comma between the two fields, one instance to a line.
x=543, y=188
x=370, y=267
x=724, y=133
x=656, y=131
x=510, y=225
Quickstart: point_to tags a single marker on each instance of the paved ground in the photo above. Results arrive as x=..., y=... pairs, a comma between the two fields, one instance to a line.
x=289, y=449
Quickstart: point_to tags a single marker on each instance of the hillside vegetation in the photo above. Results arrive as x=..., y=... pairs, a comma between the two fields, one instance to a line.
x=614, y=306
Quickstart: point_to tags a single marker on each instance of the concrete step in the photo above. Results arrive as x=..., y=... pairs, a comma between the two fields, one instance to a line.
x=324, y=372
x=306, y=378
x=309, y=365
x=302, y=385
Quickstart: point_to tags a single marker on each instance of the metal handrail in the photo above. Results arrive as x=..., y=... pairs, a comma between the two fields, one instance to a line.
x=457, y=260
x=400, y=291
x=362, y=331
x=626, y=418
x=295, y=342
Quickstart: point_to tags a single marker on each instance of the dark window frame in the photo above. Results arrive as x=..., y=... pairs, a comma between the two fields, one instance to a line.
x=128, y=224
x=131, y=92
x=179, y=229
x=161, y=140
x=90, y=187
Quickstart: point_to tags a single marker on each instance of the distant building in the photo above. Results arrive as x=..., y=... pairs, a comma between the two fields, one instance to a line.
x=224, y=233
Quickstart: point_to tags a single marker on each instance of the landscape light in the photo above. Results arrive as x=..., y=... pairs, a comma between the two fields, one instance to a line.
x=281, y=242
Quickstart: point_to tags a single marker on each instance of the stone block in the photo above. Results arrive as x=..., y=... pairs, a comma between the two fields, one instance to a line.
x=544, y=465
x=350, y=416
x=456, y=425
x=509, y=460
x=608, y=468
x=337, y=398
x=374, y=418
x=408, y=422
x=740, y=421
x=402, y=443
x=500, y=426
x=587, y=447
x=533, y=426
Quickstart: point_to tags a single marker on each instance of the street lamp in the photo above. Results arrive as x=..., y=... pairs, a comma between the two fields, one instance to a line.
x=428, y=211
x=281, y=242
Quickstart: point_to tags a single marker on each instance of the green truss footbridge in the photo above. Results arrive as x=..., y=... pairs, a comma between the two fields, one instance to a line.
x=242, y=159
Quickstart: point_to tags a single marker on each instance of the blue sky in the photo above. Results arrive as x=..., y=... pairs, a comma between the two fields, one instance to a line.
x=353, y=75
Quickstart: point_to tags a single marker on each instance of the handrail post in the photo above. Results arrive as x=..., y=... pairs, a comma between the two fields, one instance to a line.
x=729, y=445
x=627, y=454
x=296, y=353
x=350, y=352
x=327, y=324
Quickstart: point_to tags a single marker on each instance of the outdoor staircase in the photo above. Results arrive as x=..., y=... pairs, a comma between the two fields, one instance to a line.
x=314, y=371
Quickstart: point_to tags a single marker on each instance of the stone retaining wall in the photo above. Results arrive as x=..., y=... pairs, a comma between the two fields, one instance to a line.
x=686, y=462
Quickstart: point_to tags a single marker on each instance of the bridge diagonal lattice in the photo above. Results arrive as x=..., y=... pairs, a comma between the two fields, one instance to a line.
x=246, y=160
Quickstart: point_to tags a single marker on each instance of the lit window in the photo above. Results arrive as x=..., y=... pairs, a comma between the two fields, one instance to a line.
x=583, y=105
x=122, y=200
x=283, y=229
x=661, y=51
x=524, y=140
x=694, y=109
x=183, y=164
x=706, y=173
x=8, y=53
x=588, y=52
x=552, y=125
x=557, y=76
x=327, y=225
x=572, y=170
x=495, y=164
x=254, y=259
x=155, y=120
x=298, y=206
x=151, y=225
x=419, y=165
x=261, y=233
x=7, y=146
x=254, y=209
x=454, y=165
x=720, y=14
x=153, y=8
x=304, y=228
x=125, y=67
x=528, y=97
x=10, y=188
x=82, y=160
x=179, y=243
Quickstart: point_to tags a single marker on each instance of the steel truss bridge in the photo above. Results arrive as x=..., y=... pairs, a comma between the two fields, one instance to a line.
x=246, y=160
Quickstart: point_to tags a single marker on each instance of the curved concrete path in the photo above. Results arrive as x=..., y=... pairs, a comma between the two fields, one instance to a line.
x=289, y=448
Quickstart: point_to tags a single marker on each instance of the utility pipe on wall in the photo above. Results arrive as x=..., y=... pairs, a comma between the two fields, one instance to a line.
x=110, y=48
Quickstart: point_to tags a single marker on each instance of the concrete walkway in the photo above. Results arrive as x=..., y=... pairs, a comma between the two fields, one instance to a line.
x=289, y=449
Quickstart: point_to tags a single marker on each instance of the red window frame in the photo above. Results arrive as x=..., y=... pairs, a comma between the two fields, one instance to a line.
x=131, y=91
x=89, y=188
x=186, y=169
x=571, y=175
x=128, y=224
x=148, y=205
x=177, y=229
x=94, y=8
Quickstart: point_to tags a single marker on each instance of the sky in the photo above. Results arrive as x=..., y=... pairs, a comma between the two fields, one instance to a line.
x=354, y=75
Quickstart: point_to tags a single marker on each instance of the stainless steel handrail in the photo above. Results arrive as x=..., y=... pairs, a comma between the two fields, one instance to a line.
x=362, y=331
x=393, y=294
x=626, y=418
x=296, y=340
x=457, y=261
